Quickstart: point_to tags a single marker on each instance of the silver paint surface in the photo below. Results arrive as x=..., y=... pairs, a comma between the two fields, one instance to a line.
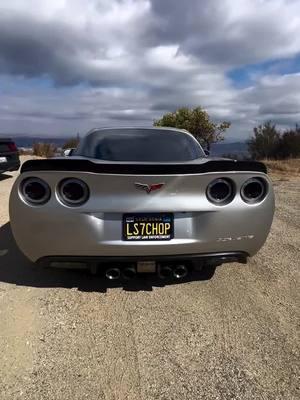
x=95, y=228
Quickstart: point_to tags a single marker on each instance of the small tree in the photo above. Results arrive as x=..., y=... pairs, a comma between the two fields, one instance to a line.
x=71, y=143
x=265, y=143
x=290, y=143
x=197, y=122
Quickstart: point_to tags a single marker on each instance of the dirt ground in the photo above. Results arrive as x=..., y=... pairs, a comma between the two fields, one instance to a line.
x=65, y=335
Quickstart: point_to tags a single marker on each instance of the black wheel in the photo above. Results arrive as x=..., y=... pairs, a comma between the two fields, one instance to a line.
x=208, y=271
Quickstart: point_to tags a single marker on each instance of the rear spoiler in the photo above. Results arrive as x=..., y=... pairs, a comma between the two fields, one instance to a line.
x=81, y=165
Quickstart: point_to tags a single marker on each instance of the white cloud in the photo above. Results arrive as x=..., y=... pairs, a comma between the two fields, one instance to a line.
x=69, y=65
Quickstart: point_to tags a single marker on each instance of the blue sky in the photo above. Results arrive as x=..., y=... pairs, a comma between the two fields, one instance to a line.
x=247, y=74
x=67, y=66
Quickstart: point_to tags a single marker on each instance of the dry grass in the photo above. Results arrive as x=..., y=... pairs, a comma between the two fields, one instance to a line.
x=25, y=152
x=44, y=149
x=287, y=167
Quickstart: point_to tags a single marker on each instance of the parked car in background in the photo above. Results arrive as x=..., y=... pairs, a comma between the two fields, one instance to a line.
x=9, y=155
x=69, y=152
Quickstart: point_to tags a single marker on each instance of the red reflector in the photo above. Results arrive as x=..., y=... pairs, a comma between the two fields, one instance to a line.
x=12, y=146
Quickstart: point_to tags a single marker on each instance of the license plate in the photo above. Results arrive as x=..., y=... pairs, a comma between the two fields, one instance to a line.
x=3, y=159
x=148, y=226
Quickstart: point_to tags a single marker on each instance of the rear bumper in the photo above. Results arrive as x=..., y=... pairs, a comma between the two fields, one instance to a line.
x=10, y=166
x=95, y=229
x=193, y=259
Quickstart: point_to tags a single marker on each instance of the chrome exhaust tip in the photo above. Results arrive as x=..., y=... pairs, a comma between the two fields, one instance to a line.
x=165, y=272
x=129, y=273
x=113, y=273
x=180, y=271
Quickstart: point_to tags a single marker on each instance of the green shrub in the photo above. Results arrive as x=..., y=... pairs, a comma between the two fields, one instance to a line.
x=290, y=144
x=270, y=143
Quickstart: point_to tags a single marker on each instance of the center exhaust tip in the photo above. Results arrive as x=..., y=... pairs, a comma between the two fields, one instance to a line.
x=113, y=273
x=165, y=272
x=180, y=271
x=129, y=273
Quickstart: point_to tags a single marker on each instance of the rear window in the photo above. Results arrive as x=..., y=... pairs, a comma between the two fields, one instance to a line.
x=4, y=145
x=149, y=145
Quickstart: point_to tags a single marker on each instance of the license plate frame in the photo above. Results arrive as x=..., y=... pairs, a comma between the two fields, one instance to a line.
x=158, y=220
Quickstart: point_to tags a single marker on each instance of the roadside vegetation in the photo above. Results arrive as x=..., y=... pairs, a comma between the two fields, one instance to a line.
x=71, y=143
x=290, y=166
x=46, y=150
x=49, y=150
x=280, y=150
x=269, y=142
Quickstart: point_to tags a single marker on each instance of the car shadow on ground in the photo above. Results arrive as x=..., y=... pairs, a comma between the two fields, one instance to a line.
x=3, y=177
x=16, y=269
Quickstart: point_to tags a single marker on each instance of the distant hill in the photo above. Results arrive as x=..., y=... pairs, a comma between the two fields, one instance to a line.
x=28, y=141
x=238, y=149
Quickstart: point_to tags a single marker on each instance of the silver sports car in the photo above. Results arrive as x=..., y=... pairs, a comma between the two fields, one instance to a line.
x=141, y=200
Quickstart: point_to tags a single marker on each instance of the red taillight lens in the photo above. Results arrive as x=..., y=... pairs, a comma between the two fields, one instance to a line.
x=12, y=146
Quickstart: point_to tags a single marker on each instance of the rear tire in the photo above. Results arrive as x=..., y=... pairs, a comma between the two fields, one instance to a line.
x=208, y=271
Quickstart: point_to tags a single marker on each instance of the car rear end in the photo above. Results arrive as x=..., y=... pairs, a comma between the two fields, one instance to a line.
x=140, y=217
x=9, y=156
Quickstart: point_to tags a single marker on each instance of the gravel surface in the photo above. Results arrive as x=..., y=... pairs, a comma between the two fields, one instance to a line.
x=65, y=335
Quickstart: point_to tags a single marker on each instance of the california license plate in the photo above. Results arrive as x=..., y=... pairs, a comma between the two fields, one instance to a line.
x=3, y=159
x=148, y=226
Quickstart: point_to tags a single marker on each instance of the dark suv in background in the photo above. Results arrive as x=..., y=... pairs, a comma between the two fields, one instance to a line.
x=9, y=156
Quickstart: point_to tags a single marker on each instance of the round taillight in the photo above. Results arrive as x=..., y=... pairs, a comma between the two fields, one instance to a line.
x=73, y=192
x=220, y=191
x=254, y=190
x=35, y=191
x=12, y=146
